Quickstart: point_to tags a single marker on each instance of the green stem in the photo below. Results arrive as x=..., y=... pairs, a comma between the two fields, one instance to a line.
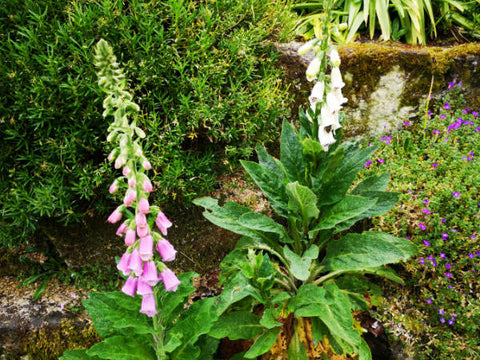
x=327, y=277
x=295, y=235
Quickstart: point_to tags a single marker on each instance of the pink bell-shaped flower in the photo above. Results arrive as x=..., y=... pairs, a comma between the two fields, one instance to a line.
x=122, y=229
x=130, y=197
x=169, y=279
x=142, y=231
x=126, y=171
x=145, y=248
x=135, y=263
x=113, y=188
x=163, y=223
x=146, y=164
x=123, y=264
x=132, y=181
x=143, y=206
x=166, y=250
x=143, y=288
x=130, y=286
x=115, y=216
x=148, y=306
x=130, y=237
x=147, y=185
x=150, y=275
x=140, y=220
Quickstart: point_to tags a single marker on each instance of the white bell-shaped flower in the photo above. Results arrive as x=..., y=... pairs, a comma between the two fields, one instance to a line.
x=334, y=57
x=314, y=68
x=333, y=102
x=317, y=93
x=325, y=137
x=337, y=93
x=305, y=48
x=329, y=117
x=336, y=78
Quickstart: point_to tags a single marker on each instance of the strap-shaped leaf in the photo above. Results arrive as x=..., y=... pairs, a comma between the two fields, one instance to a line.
x=350, y=207
x=309, y=294
x=270, y=184
x=196, y=321
x=335, y=312
x=337, y=180
x=261, y=222
x=172, y=299
x=241, y=220
x=302, y=201
x=122, y=348
x=236, y=325
x=300, y=266
x=114, y=312
x=296, y=350
x=357, y=252
x=263, y=343
x=236, y=288
x=291, y=153
x=269, y=162
x=372, y=183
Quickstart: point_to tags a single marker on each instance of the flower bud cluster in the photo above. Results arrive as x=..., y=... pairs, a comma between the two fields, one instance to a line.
x=145, y=244
x=326, y=98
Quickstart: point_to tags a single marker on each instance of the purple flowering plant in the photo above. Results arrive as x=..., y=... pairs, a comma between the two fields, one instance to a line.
x=440, y=212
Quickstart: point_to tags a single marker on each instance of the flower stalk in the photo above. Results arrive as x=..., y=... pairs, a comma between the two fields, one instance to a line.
x=141, y=260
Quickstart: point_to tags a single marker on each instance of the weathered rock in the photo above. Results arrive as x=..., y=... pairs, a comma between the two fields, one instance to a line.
x=41, y=329
x=387, y=83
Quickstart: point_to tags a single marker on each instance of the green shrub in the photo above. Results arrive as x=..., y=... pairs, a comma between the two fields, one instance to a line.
x=205, y=77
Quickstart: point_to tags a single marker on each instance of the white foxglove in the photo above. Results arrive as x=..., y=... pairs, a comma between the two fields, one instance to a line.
x=325, y=137
x=336, y=78
x=314, y=68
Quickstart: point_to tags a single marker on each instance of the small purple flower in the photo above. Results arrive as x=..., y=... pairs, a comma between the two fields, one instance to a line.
x=441, y=312
x=477, y=253
x=436, y=131
x=381, y=161
x=429, y=301
x=475, y=114
x=448, y=275
x=406, y=123
x=426, y=243
x=456, y=194
x=446, y=106
x=426, y=201
x=442, y=320
x=435, y=165
x=426, y=211
x=470, y=255
x=421, y=261
x=451, y=322
x=368, y=163
x=448, y=266
x=421, y=226
x=442, y=255
x=443, y=116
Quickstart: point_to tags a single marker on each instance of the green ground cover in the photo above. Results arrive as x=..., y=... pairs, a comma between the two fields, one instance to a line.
x=434, y=164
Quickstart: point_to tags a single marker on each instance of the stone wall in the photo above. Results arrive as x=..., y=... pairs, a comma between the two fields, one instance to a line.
x=387, y=83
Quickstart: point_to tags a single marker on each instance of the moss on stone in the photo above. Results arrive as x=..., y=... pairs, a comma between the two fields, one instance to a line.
x=367, y=62
x=47, y=344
